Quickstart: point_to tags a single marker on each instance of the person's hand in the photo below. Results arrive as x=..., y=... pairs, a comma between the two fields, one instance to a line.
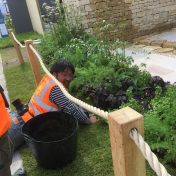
x=92, y=119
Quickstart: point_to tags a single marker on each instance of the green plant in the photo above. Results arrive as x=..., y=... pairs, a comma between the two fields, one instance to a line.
x=103, y=30
x=85, y=77
x=160, y=124
x=8, y=22
x=47, y=48
x=55, y=42
x=132, y=102
x=50, y=13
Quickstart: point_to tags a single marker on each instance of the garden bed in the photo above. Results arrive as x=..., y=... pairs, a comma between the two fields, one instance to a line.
x=107, y=80
x=110, y=80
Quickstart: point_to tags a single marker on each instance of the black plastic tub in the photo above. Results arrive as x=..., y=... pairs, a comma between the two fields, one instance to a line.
x=52, y=138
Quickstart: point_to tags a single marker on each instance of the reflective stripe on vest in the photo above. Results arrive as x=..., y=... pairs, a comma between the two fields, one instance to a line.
x=43, y=92
x=36, y=112
x=40, y=102
x=5, y=119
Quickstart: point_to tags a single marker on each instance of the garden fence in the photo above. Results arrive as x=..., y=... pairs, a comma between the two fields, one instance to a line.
x=125, y=125
x=17, y=45
x=33, y=60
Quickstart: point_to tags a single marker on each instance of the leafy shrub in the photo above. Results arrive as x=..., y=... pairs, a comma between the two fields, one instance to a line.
x=47, y=48
x=160, y=125
x=60, y=32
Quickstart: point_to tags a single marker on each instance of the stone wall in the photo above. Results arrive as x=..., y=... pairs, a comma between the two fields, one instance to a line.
x=130, y=18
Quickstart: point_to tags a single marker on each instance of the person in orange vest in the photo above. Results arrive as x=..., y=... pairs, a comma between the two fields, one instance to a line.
x=6, y=146
x=49, y=97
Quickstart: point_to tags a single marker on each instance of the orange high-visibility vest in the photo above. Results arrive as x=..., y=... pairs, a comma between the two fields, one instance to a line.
x=40, y=102
x=5, y=119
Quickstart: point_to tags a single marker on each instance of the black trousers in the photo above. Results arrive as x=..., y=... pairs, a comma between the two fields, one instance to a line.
x=6, y=153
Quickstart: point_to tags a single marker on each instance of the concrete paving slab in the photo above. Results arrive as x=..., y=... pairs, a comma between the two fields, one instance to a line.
x=161, y=65
x=165, y=39
x=164, y=50
x=138, y=46
x=156, y=69
x=142, y=48
x=169, y=44
x=171, y=76
x=134, y=53
x=146, y=41
x=151, y=48
x=169, y=36
x=158, y=42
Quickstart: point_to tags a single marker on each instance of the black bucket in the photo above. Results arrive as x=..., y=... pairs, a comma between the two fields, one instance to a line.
x=52, y=137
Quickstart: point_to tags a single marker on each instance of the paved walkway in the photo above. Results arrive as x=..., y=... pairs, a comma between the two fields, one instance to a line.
x=160, y=65
x=168, y=35
x=158, y=52
x=163, y=65
x=165, y=39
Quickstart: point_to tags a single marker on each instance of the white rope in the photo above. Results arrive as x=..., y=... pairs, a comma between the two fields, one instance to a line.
x=148, y=154
x=22, y=46
x=84, y=105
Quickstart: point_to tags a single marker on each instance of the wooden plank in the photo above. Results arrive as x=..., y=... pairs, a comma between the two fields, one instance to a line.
x=127, y=158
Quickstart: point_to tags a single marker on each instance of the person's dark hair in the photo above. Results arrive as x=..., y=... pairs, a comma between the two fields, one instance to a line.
x=61, y=65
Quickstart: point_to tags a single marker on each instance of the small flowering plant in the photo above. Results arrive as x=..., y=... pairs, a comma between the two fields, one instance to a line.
x=51, y=15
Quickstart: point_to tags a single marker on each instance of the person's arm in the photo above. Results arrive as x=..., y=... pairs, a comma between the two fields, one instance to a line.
x=57, y=97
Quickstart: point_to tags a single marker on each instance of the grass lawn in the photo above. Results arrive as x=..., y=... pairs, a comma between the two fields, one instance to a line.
x=94, y=155
x=6, y=42
x=94, y=152
x=20, y=82
x=10, y=57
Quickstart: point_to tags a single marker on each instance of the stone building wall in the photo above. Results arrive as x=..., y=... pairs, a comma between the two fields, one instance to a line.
x=80, y=10
x=130, y=18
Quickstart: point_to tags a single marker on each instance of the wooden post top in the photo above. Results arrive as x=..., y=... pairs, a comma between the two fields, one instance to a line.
x=28, y=42
x=125, y=115
x=10, y=30
x=127, y=158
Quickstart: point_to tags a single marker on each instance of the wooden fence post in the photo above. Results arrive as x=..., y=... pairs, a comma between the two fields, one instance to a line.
x=34, y=62
x=127, y=158
x=17, y=47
